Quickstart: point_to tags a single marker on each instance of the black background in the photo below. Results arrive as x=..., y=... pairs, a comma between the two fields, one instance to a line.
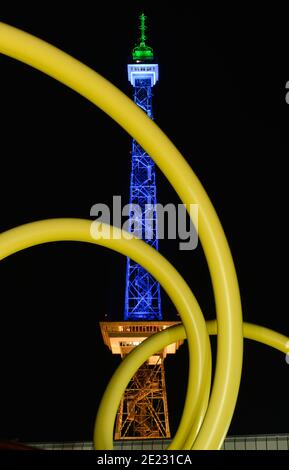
x=221, y=99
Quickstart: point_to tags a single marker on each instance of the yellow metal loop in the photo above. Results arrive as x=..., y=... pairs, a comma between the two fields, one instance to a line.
x=202, y=426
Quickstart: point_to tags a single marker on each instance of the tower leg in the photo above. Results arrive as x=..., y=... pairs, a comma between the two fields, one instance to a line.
x=143, y=411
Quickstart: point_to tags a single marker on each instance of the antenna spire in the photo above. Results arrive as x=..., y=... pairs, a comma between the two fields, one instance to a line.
x=142, y=52
x=142, y=28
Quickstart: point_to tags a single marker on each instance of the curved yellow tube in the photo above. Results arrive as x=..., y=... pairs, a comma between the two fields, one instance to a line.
x=52, y=230
x=50, y=60
x=80, y=230
x=129, y=366
x=258, y=333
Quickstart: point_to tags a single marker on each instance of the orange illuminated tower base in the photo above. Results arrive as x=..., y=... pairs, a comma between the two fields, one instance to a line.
x=143, y=411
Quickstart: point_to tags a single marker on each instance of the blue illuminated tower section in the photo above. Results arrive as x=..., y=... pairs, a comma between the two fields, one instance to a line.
x=142, y=291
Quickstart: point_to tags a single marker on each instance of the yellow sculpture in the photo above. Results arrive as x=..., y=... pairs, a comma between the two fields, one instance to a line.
x=206, y=416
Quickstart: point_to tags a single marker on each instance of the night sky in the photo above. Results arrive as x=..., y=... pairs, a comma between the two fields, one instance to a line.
x=221, y=99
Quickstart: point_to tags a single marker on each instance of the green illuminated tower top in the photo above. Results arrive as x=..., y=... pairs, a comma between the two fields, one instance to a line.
x=142, y=52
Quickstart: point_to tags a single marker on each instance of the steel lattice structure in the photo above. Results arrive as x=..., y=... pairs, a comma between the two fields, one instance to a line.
x=142, y=294
x=143, y=410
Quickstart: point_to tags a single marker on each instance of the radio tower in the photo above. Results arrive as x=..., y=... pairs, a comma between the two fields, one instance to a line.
x=143, y=411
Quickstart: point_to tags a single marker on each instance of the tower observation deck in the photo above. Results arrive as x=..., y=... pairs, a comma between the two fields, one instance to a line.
x=143, y=411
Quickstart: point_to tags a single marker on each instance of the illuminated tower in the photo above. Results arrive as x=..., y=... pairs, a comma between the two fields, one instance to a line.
x=142, y=295
x=143, y=411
